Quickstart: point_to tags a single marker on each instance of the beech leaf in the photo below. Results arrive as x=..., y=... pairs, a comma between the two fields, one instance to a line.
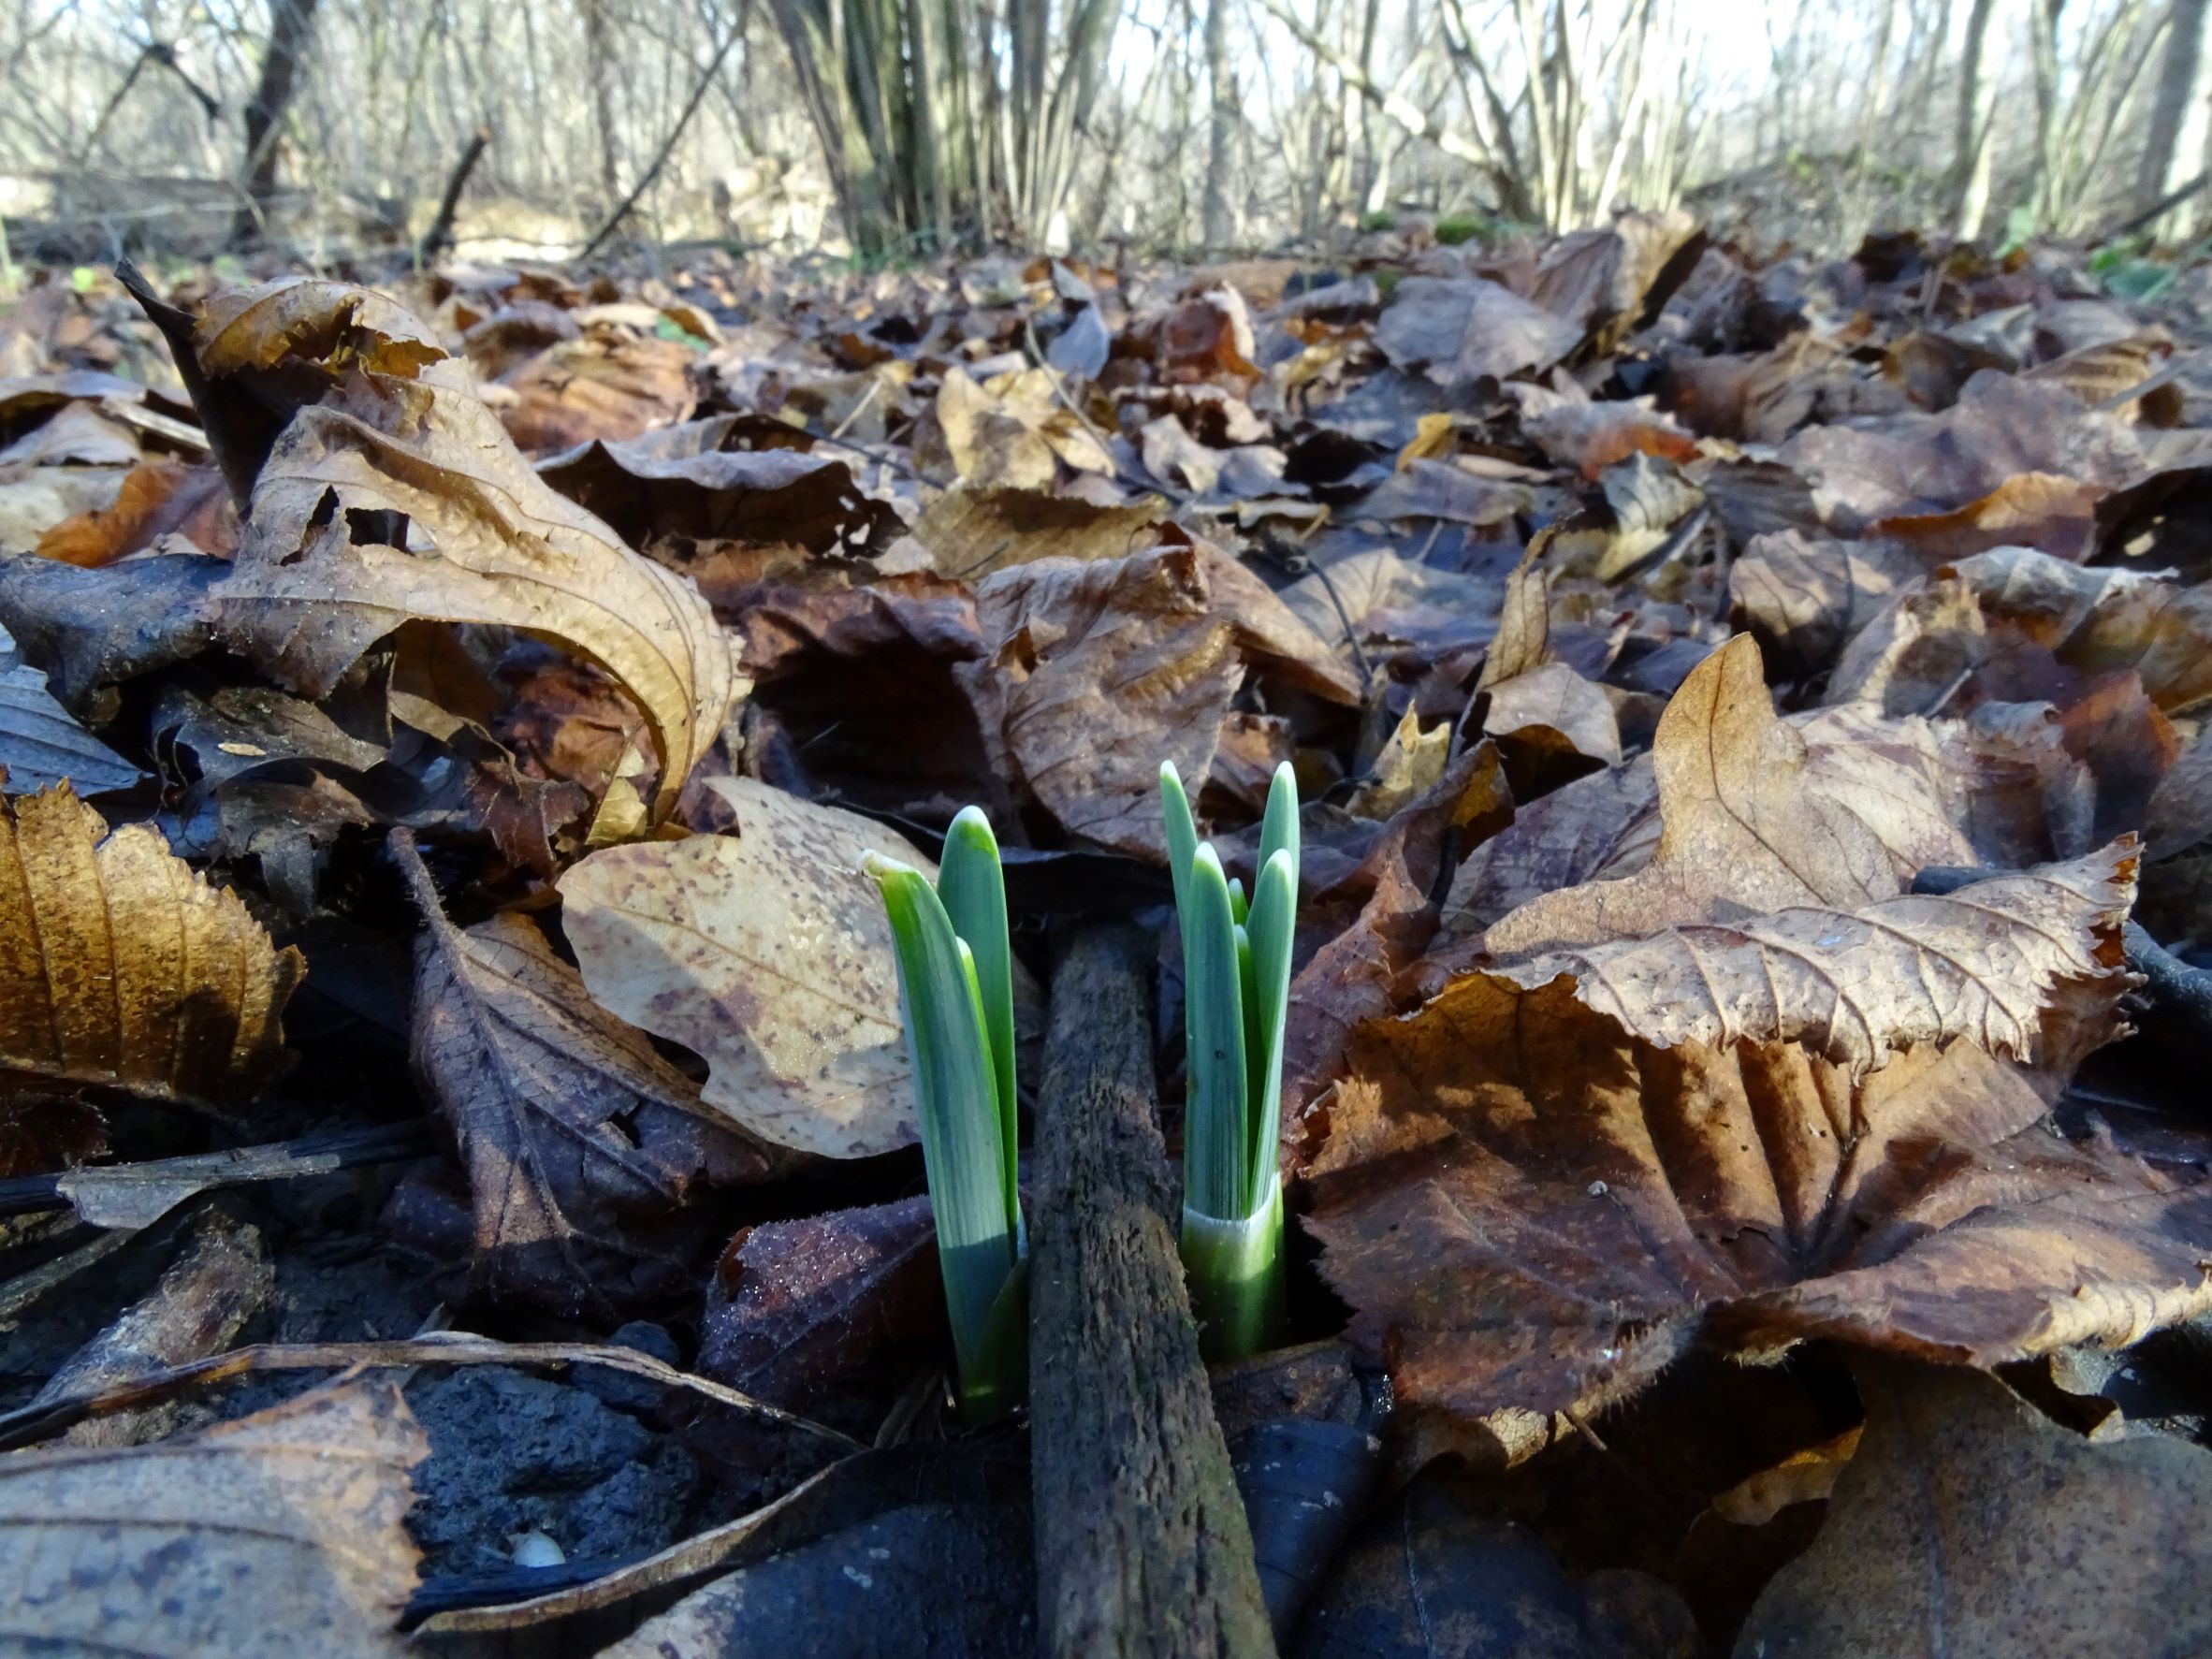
x=119, y=967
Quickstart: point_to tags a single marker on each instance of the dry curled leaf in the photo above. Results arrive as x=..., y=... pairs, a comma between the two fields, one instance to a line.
x=40, y=745
x=1100, y=672
x=799, y=1309
x=413, y=503
x=382, y=491
x=582, y=1146
x=970, y=531
x=120, y=967
x=248, y=1541
x=1986, y=964
x=1460, y=329
x=1752, y=816
x=767, y=952
x=610, y=383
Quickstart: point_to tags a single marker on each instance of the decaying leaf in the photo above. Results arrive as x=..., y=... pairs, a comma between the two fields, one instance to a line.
x=1351, y=977
x=1532, y=1204
x=40, y=745
x=1407, y=765
x=394, y=494
x=319, y=579
x=767, y=952
x=1553, y=726
x=691, y=481
x=800, y=1308
x=247, y=1539
x=1986, y=964
x=1753, y=818
x=610, y=383
x=969, y=532
x=1460, y=329
x=582, y=1146
x=1104, y=670
x=1970, y=1526
x=120, y=967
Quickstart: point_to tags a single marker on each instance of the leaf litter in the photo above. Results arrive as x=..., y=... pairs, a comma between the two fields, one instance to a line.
x=447, y=710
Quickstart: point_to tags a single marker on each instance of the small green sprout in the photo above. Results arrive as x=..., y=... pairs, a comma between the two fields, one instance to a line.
x=1236, y=985
x=955, y=990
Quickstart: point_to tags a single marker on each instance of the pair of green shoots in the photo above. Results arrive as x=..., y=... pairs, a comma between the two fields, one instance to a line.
x=955, y=978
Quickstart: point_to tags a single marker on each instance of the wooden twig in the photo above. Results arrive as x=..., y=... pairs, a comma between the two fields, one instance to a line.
x=1142, y=1550
x=2157, y=209
x=42, y=1419
x=440, y=231
x=136, y=1194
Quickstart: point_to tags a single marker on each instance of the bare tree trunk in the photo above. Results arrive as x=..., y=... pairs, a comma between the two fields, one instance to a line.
x=599, y=43
x=1969, y=154
x=291, y=27
x=1220, y=227
x=2167, y=161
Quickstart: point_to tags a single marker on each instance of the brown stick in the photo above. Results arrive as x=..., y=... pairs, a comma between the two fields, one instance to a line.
x=440, y=230
x=1142, y=1545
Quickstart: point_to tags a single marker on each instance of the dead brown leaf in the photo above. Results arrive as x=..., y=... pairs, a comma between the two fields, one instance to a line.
x=612, y=383
x=1097, y=673
x=1553, y=726
x=1754, y=818
x=1803, y=596
x=122, y=968
x=1009, y=430
x=1461, y=328
x=691, y=481
x=2052, y=514
x=1968, y=1524
x=147, y=1547
x=480, y=539
x=1353, y=976
x=581, y=1145
x=2002, y=428
x=159, y=498
x=969, y=532
x=767, y=952
x=799, y=1309
x=1531, y=1205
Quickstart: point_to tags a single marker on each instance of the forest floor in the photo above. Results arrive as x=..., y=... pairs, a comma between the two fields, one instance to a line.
x=1749, y=1172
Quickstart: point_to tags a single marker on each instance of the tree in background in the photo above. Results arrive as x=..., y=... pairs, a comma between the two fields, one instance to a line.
x=940, y=122
x=291, y=29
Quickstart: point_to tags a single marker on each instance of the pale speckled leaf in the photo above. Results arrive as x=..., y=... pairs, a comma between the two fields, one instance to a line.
x=276, y=1536
x=766, y=951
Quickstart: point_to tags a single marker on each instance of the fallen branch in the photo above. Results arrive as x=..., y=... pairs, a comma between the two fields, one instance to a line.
x=1142, y=1543
x=137, y=1195
x=38, y=1421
